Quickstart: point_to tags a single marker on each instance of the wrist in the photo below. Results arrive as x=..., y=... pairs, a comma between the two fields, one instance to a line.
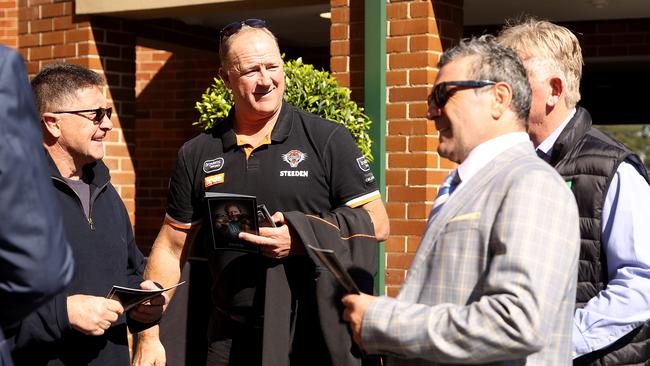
x=151, y=334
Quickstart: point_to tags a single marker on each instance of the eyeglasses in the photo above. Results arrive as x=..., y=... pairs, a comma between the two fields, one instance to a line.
x=234, y=27
x=441, y=94
x=99, y=113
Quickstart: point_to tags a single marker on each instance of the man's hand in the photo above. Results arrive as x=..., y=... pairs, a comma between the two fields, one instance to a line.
x=149, y=352
x=355, y=308
x=275, y=242
x=150, y=310
x=92, y=315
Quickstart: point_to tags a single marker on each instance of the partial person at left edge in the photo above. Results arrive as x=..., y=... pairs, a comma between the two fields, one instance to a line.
x=80, y=326
x=35, y=258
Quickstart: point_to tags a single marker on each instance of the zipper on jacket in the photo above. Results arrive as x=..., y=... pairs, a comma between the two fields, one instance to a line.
x=90, y=204
x=89, y=219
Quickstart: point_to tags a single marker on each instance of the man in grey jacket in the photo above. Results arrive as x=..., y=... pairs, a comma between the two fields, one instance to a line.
x=493, y=280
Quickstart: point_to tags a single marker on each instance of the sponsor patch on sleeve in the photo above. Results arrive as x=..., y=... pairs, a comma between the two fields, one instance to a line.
x=368, y=178
x=363, y=164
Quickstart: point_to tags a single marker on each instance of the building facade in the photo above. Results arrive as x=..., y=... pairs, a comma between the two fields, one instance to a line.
x=158, y=60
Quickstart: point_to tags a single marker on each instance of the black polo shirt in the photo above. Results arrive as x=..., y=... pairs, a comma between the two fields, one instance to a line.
x=311, y=165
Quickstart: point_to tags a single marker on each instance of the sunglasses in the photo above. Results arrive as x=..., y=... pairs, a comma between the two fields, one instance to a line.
x=99, y=113
x=440, y=93
x=234, y=27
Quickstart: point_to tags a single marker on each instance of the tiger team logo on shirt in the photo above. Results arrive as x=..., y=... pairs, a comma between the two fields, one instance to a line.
x=294, y=157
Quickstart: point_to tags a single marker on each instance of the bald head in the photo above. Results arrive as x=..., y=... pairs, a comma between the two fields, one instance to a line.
x=226, y=43
x=253, y=70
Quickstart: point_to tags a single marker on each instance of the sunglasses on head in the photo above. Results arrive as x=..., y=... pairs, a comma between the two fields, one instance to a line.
x=441, y=93
x=99, y=113
x=234, y=27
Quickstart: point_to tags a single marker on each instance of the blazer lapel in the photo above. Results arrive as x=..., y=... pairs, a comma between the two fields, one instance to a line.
x=466, y=194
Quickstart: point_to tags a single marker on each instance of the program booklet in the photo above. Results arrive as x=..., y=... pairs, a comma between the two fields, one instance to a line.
x=329, y=259
x=130, y=297
x=231, y=214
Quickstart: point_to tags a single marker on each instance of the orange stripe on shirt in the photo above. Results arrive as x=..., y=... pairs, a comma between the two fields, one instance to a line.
x=339, y=230
x=171, y=222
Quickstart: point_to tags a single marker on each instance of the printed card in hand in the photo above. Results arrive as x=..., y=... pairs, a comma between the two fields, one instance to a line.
x=329, y=259
x=130, y=297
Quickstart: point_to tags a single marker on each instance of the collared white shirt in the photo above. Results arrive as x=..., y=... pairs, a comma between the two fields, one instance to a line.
x=625, y=303
x=482, y=154
x=548, y=143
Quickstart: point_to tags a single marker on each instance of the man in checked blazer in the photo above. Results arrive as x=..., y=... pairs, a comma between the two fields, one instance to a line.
x=493, y=280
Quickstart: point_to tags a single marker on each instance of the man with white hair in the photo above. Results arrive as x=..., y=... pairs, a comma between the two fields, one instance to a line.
x=611, y=186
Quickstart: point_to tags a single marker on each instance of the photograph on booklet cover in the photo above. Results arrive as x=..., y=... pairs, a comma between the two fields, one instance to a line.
x=231, y=214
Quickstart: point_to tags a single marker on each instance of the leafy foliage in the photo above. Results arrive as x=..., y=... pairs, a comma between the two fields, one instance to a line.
x=636, y=137
x=214, y=105
x=312, y=90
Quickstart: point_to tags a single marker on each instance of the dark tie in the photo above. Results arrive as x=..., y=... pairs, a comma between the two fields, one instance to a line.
x=446, y=189
x=542, y=155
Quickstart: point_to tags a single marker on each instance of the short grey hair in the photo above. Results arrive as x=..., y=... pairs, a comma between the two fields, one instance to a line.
x=57, y=84
x=497, y=63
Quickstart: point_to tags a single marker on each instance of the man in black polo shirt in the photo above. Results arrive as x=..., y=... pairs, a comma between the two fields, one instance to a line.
x=292, y=161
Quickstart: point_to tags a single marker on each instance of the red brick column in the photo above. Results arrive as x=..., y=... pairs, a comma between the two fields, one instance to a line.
x=417, y=33
x=169, y=83
x=9, y=23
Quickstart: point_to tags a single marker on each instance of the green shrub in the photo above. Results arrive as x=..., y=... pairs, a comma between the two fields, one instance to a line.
x=635, y=137
x=312, y=90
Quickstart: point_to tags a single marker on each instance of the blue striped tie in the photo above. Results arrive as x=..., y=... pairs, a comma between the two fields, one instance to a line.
x=448, y=186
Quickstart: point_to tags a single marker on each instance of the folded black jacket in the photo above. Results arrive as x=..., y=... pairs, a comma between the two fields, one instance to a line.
x=350, y=233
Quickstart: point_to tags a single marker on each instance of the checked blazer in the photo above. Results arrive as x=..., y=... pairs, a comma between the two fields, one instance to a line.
x=493, y=280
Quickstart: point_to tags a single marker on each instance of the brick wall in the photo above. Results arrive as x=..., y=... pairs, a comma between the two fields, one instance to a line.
x=9, y=23
x=168, y=85
x=604, y=38
x=49, y=32
x=346, y=45
x=417, y=32
x=169, y=80
x=613, y=37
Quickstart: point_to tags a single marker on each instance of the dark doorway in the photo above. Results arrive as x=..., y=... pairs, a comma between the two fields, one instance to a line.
x=615, y=92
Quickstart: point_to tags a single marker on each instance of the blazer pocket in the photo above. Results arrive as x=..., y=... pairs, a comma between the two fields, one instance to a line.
x=461, y=239
x=468, y=216
x=468, y=221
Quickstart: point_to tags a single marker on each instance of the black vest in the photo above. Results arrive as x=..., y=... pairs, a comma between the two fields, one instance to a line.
x=587, y=159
